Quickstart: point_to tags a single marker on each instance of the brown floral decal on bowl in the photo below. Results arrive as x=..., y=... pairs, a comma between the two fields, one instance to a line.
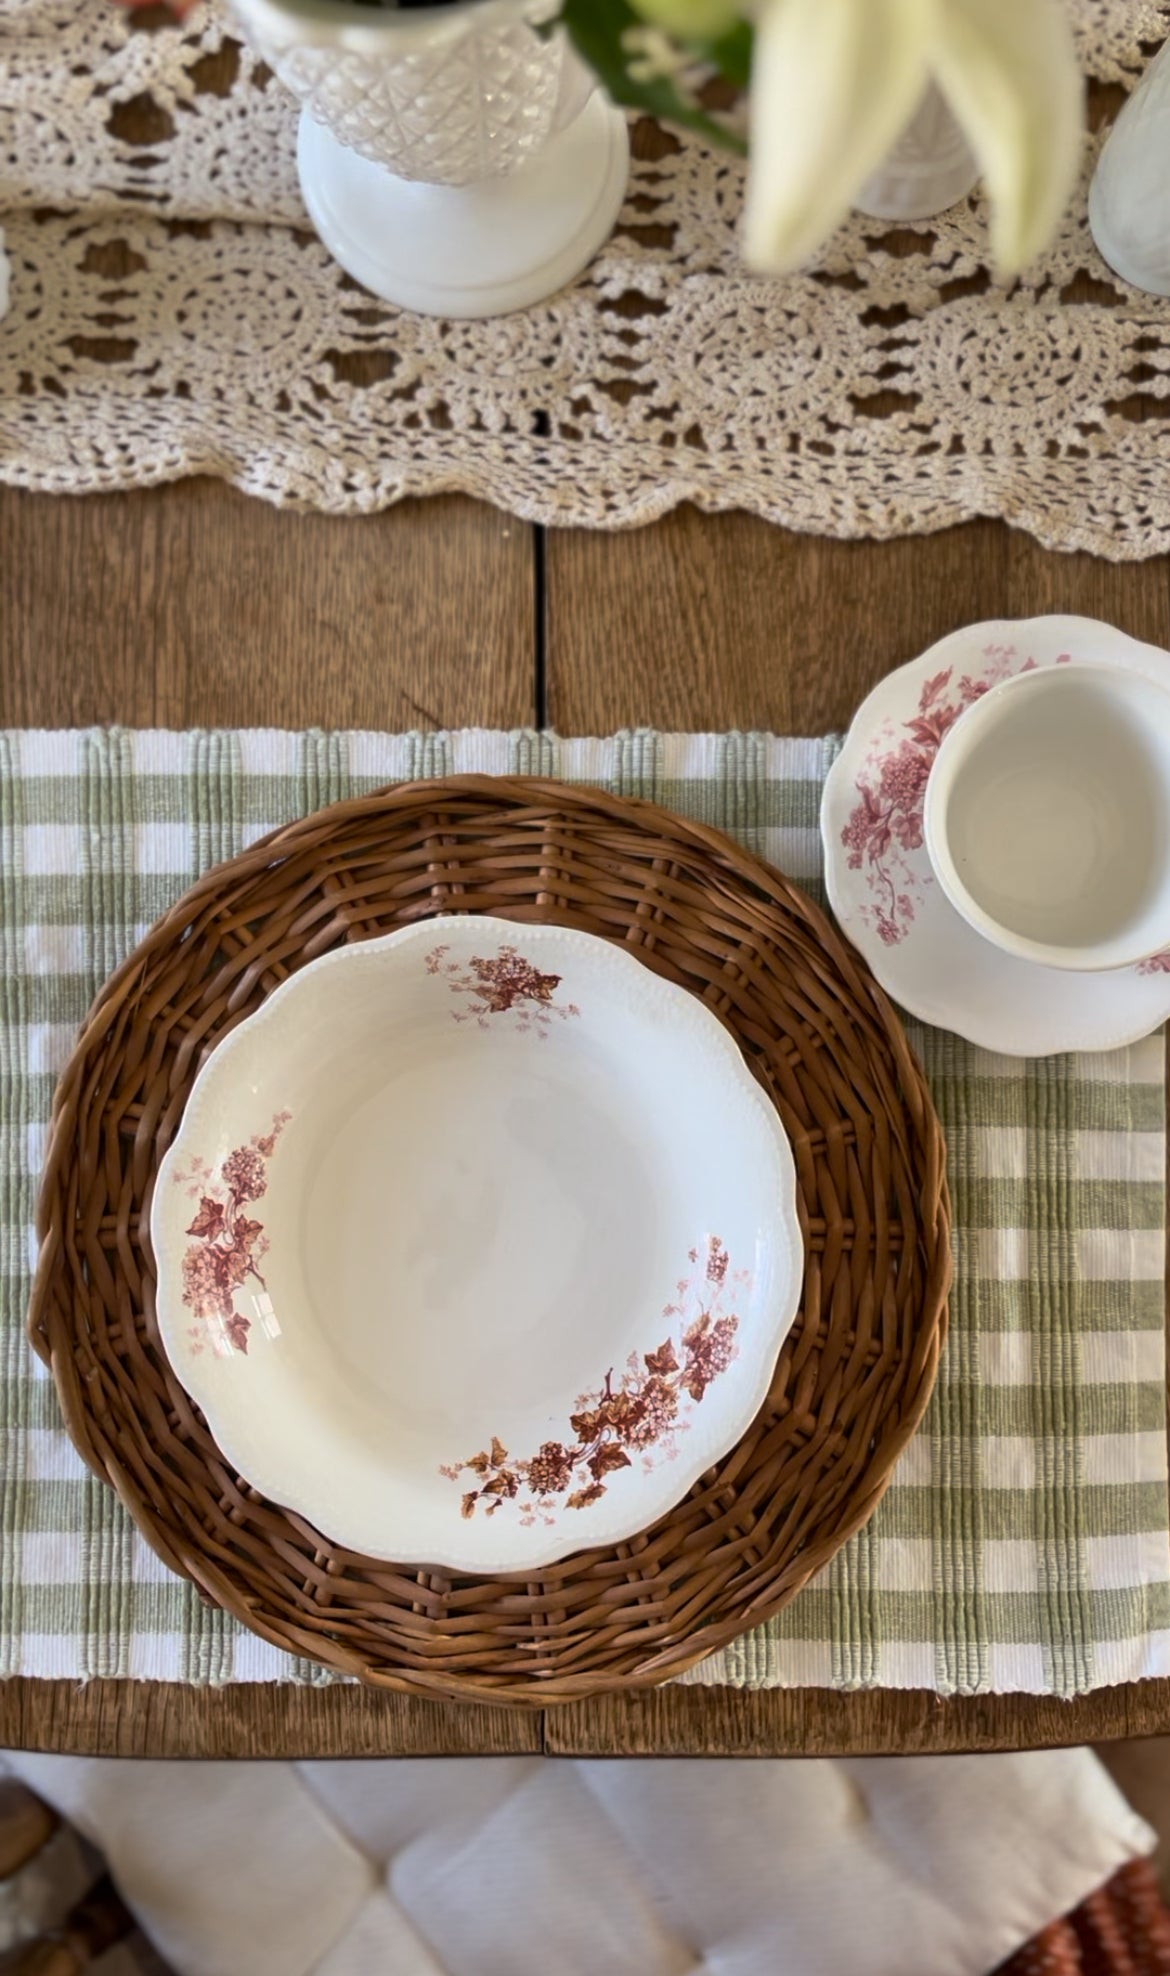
x=641, y=1416
x=229, y=1244
x=504, y=985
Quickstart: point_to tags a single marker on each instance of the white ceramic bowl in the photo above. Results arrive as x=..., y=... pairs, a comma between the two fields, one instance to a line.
x=1047, y=816
x=477, y=1244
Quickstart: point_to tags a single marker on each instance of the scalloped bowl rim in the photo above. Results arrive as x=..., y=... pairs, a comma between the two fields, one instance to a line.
x=688, y=1013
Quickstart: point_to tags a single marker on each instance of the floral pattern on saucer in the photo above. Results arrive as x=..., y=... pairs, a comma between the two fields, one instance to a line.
x=641, y=1415
x=506, y=984
x=884, y=830
x=229, y=1244
x=877, y=867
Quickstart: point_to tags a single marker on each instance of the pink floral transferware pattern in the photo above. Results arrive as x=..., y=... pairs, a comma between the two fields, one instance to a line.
x=641, y=1416
x=505, y=985
x=229, y=1244
x=884, y=834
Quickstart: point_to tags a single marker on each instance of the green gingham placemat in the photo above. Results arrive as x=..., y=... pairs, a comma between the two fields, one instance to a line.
x=1023, y=1543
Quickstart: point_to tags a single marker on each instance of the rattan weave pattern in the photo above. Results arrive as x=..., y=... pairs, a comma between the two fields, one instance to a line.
x=854, y=1375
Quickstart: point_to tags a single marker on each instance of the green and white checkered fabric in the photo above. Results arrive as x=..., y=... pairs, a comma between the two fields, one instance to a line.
x=1023, y=1544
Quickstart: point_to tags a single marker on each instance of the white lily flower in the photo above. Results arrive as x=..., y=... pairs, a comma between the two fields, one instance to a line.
x=835, y=82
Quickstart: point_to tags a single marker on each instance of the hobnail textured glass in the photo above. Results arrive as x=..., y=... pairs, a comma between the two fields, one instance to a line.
x=450, y=96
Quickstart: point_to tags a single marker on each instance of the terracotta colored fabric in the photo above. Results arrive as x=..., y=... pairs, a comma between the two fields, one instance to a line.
x=1121, y=1930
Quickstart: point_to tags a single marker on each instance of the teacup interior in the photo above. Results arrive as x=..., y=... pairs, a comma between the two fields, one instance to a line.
x=1058, y=820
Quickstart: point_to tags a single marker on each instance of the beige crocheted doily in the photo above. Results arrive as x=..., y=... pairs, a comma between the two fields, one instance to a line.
x=172, y=314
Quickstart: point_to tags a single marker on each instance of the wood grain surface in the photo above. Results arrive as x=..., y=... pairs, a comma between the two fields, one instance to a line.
x=191, y=605
x=254, y=1719
x=727, y=622
x=822, y=1722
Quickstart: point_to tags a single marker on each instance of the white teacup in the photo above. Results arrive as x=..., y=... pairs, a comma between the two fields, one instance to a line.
x=1047, y=816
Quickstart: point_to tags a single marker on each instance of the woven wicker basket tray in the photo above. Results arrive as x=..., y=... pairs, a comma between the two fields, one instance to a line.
x=854, y=1375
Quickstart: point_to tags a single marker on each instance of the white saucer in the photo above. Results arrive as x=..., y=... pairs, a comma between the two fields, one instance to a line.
x=878, y=874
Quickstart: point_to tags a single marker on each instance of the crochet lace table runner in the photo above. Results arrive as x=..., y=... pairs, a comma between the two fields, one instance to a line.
x=172, y=314
x=1023, y=1542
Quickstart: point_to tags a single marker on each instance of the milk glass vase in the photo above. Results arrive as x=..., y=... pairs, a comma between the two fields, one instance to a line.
x=452, y=158
x=1129, y=199
x=930, y=167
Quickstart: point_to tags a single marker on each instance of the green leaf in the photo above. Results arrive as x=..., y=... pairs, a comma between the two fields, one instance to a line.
x=596, y=28
x=691, y=22
x=732, y=54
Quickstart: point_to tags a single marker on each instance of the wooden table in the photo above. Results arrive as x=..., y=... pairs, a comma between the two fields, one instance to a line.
x=193, y=606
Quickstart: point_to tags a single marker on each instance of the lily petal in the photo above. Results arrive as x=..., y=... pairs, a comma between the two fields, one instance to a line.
x=834, y=84
x=1009, y=71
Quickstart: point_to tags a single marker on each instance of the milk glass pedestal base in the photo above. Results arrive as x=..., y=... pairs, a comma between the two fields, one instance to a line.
x=469, y=250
